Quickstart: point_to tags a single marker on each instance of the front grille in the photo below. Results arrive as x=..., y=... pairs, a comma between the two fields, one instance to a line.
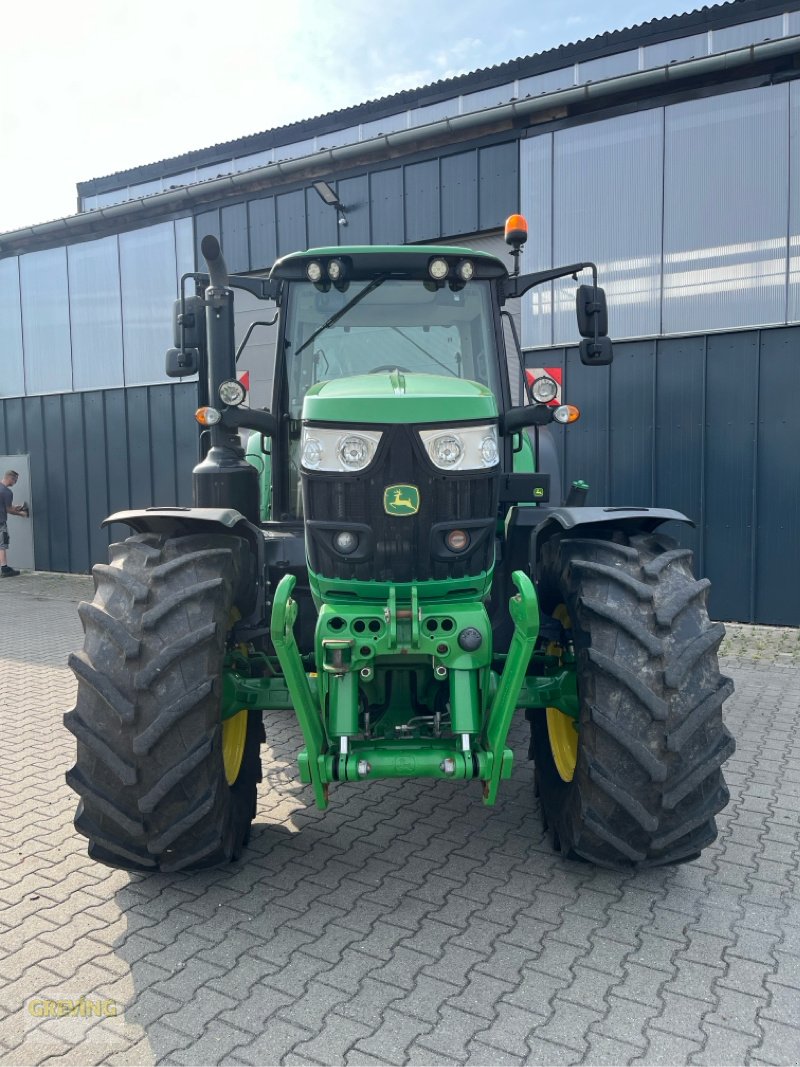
x=400, y=548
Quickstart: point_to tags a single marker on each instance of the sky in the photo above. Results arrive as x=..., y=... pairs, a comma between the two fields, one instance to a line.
x=99, y=86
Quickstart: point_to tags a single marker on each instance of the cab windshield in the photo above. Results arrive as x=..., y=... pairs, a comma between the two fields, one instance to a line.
x=387, y=323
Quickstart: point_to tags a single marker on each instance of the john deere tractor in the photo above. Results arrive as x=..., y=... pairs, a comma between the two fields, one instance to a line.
x=392, y=563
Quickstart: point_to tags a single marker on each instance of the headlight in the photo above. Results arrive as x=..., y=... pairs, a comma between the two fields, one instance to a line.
x=337, y=450
x=314, y=271
x=446, y=449
x=465, y=269
x=544, y=389
x=232, y=392
x=438, y=269
x=462, y=447
x=354, y=451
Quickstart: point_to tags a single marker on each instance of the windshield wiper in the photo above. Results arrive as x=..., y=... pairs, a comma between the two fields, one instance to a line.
x=373, y=285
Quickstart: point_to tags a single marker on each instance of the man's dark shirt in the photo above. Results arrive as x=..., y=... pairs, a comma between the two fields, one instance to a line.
x=6, y=500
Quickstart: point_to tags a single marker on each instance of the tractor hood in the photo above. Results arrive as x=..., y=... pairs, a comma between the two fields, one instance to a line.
x=399, y=397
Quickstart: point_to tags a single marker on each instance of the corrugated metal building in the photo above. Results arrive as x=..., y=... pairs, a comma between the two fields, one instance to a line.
x=668, y=153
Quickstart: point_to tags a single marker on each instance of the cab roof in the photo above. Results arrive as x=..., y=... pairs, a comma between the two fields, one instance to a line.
x=400, y=261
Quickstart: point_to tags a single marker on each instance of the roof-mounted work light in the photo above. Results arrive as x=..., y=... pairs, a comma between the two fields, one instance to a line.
x=329, y=197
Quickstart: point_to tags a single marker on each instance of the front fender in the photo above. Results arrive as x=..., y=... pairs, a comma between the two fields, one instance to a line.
x=552, y=521
x=178, y=522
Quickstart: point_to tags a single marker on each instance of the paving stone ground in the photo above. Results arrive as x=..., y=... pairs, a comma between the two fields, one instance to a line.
x=406, y=925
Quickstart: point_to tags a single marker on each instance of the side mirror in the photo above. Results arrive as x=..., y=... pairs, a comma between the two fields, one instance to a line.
x=591, y=306
x=182, y=362
x=189, y=324
x=597, y=353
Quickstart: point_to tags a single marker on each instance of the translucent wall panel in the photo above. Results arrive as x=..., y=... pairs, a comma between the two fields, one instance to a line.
x=214, y=170
x=95, y=314
x=337, y=137
x=148, y=271
x=295, y=150
x=536, y=185
x=257, y=159
x=725, y=209
x=682, y=48
x=45, y=321
x=419, y=116
x=549, y=82
x=793, y=303
x=12, y=378
x=500, y=94
x=595, y=70
x=388, y=124
x=184, y=247
x=746, y=33
x=607, y=208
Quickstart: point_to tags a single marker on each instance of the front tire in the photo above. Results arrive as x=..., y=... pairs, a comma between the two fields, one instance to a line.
x=640, y=783
x=164, y=783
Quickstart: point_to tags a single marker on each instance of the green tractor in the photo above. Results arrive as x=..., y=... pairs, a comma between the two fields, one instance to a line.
x=386, y=563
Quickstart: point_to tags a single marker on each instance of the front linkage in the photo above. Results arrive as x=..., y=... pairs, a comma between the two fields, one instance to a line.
x=339, y=744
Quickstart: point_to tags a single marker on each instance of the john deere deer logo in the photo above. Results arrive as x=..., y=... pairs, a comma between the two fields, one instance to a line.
x=401, y=500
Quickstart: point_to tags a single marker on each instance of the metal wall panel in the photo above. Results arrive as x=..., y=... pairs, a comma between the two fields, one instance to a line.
x=113, y=440
x=12, y=380
x=148, y=273
x=680, y=435
x=587, y=443
x=460, y=193
x=263, y=234
x=57, y=467
x=793, y=296
x=44, y=296
x=95, y=314
x=386, y=205
x=777, y=483
x=713, y=434
x=632, y=415
x=290, y=209
x=607, y=207
x=323, y=228
x=498, y=184
x=354, y=194
x=731, y=399
x=94, y=453
x=725, y=208
x=76, y=526
x=98, y=475
x=536, y=202
x=421, y=183
x=234, y=240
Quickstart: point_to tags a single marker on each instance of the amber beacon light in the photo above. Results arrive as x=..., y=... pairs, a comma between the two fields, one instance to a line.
x=516, y=230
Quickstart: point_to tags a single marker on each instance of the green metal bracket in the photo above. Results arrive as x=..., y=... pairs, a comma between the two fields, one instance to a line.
x=284, y=614
x=524, y=609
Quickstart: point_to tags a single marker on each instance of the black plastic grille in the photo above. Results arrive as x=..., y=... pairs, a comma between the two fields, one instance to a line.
x=400, y=548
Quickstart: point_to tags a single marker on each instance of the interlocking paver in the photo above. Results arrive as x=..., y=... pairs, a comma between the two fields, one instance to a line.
x=407, y=923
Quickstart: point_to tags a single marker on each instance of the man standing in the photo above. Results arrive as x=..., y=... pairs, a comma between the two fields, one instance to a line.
x=7, y=508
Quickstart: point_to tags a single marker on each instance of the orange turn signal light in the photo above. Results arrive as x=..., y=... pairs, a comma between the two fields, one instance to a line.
x=207, y=416
x=565, y=413
x=516, y=230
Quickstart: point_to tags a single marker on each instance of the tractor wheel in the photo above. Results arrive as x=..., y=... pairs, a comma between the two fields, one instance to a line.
x=164, y=782
x=636, y=782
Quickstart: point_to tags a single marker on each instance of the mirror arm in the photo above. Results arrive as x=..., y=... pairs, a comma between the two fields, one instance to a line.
x=519, y=285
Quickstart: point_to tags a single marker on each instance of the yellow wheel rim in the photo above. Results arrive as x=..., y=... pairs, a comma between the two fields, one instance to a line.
x=234, y=734
x=563, y=736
